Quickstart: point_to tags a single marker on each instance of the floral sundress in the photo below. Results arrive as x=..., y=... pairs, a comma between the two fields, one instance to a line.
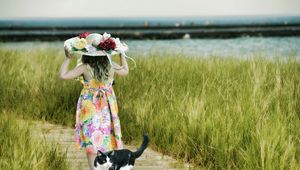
x=98, y=113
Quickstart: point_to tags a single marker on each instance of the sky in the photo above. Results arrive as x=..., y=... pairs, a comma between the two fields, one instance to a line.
x=144, y=8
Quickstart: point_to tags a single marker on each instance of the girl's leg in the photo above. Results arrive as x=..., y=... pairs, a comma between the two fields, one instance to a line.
x=91, y=157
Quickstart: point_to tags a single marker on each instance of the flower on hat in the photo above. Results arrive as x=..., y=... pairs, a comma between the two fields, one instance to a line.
x=84, y=34
x=79, y=43
x=118, y=42
x=108, y=44
x=94, y=39
x=120, y=46
x=106, y=36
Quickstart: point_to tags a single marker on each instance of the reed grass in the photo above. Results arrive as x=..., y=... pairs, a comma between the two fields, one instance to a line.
x=217, y=113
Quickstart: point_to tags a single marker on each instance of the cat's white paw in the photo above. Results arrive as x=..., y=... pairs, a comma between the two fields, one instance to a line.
x=127, y=167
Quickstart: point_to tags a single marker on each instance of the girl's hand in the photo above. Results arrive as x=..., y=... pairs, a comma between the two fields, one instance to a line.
x=121, y=52
x=77, y=121
x=122, y=49
x=67, y=52
x=77, y=125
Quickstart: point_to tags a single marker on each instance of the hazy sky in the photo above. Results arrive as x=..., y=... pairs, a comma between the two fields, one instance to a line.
x=141, y=8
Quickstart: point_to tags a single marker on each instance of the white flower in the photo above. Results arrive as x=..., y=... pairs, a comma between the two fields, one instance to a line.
x=118, y=42
x=119, y=45
x=79, y=43
x=94, y=39
x=105, y=36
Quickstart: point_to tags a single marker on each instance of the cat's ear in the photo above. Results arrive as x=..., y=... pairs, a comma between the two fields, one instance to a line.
x=110, y=153
x=99, y=153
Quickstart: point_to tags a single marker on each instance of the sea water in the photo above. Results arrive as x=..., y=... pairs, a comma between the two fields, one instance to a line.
x=235, y=47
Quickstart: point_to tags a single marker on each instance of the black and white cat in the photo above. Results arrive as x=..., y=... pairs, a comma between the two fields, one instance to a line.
x=122, y=159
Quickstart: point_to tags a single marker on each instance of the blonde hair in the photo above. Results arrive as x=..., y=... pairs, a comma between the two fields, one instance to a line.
x=100, y=66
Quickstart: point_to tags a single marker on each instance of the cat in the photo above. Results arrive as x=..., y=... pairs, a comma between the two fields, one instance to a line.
x=122, y=159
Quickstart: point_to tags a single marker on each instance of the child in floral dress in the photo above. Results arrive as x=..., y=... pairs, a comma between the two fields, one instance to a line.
x=97, y=122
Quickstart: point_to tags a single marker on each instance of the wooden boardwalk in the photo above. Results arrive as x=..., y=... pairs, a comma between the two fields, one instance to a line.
x=64, y=136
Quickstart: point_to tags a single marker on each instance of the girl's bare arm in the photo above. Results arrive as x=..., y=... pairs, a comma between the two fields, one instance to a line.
x=64, y=74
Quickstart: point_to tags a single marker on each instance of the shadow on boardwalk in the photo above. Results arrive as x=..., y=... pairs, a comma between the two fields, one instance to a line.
x=150, y=160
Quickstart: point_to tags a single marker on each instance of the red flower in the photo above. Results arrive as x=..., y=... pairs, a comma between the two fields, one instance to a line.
x=108, y=44
x=84, y=34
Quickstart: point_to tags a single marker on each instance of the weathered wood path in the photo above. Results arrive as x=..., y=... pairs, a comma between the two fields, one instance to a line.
x=64, y=136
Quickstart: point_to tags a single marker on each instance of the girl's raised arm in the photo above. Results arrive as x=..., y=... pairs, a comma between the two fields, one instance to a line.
x=71, y=74
x=64, y=74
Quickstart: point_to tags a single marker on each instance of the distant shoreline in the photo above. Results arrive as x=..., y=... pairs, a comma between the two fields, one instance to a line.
x=52, y=29
x=22, y=33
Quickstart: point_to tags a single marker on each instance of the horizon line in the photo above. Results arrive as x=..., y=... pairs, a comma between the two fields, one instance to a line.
x=153, y=17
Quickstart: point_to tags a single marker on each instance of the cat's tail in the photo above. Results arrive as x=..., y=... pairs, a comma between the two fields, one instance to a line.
x=144, y=145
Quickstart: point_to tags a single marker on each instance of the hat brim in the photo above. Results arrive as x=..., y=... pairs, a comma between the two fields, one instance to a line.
x=97, y=53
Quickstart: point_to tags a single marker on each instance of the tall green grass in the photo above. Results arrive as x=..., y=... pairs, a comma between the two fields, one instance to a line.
x=218, y=113
x=221, y=113
x=21, y=150
x=30, y=86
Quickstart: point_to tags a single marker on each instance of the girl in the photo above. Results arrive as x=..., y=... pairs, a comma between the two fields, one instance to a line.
x=97, y=123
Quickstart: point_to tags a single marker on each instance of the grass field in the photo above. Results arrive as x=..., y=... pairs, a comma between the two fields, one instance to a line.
x=217, y=113
x=20, y=150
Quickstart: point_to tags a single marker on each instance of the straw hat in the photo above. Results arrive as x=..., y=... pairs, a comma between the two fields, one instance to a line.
x=95, y=44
